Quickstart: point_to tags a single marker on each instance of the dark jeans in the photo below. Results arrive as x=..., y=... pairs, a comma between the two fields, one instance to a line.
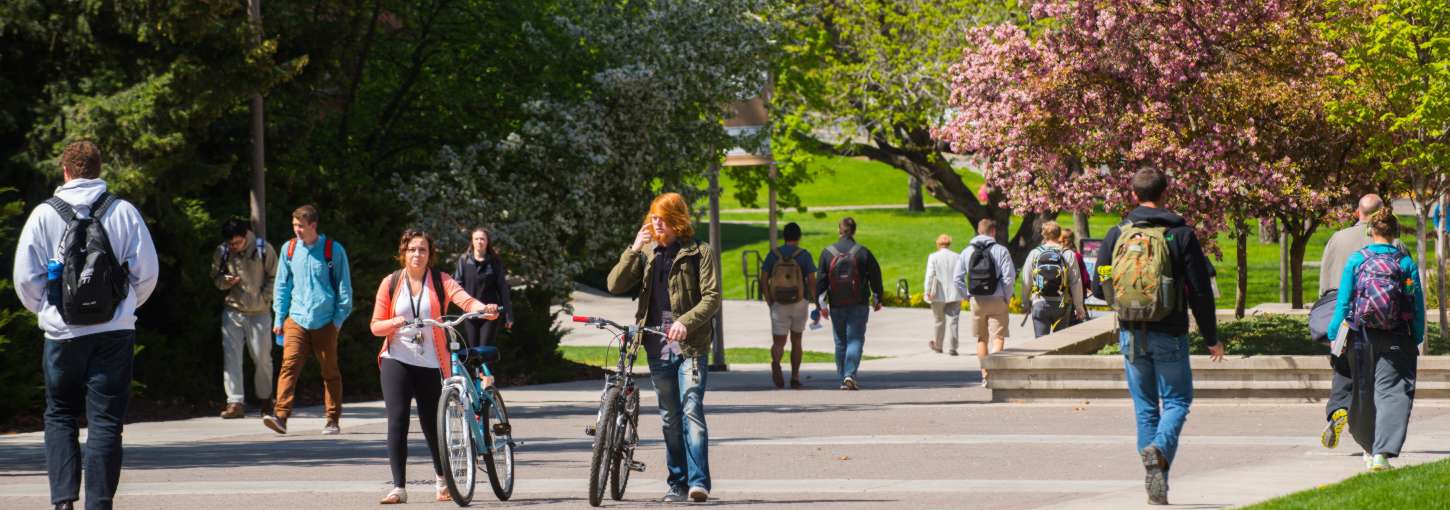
x=91, y=375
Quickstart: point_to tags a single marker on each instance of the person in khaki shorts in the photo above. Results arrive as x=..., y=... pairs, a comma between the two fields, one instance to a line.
x=941, y=292
x=789, y=310
x=985, y=274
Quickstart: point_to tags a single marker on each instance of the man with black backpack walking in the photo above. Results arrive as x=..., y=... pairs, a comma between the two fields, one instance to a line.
x=850, y=278
x=84, y=263
x=1051, y=284
x=985, y=275
x=787, y=276
x=1158, y=272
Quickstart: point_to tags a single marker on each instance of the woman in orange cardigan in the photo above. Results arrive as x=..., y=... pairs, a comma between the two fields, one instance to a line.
x=414, y=361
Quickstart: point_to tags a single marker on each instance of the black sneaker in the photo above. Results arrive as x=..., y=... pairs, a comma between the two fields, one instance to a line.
x=675, y=495
x=1156, y=480
x=69, y=505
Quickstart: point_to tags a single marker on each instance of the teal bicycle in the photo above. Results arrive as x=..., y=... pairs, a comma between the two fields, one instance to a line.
x=473, y=423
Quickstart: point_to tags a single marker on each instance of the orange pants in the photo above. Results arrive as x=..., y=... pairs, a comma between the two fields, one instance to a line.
x=298, y=342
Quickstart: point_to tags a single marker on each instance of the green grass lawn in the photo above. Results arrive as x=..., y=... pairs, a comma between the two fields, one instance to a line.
x=595, y=355
x=902, y=240
x=846, y=181
x=1422, y=486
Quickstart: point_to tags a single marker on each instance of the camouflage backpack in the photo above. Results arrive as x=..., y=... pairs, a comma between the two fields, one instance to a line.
x=1144, y=289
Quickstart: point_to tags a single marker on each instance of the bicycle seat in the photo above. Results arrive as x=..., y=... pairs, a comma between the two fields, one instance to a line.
x=481, y=354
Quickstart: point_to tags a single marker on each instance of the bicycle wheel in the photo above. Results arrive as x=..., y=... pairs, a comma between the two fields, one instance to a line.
x=599, y=465
x=499, y=459
x=625, y=437
x=454, y=424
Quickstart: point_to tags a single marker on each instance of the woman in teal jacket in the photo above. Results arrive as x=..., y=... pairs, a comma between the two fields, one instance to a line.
x=1382, y=360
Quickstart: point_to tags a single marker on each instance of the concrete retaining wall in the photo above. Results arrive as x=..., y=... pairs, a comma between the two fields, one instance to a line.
x=1061, y=366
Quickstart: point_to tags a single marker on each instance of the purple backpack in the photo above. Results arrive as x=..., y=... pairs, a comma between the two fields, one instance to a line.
x=1379, y=292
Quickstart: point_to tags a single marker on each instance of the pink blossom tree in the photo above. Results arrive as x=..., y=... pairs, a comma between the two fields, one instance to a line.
x=1226, y=96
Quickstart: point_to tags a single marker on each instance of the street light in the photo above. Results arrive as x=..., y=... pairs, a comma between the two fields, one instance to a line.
x=748, y=120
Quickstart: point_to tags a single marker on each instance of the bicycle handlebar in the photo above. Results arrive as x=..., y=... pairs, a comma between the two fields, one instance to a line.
x=603, y=322
x=455, y=321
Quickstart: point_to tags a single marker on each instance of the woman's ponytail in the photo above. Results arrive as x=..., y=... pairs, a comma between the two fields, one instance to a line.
x=1383, y=223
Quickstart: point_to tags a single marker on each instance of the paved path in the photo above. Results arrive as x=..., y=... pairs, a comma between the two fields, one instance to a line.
x=924, y=434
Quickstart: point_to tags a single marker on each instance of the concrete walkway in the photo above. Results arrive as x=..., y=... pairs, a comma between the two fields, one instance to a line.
x=923, y=434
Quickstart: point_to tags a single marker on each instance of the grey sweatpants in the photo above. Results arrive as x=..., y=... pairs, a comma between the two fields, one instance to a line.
x=1383, y=391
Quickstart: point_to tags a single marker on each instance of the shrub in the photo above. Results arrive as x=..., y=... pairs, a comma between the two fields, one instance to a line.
x=1273, y=334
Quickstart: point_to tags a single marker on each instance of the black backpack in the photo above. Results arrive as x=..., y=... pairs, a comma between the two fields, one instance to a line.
x=94, y=282
x=982, y=270
x=1048, y=278
x=845, y=277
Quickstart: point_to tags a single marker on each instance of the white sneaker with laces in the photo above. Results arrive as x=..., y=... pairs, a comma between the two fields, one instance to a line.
x=699, y=494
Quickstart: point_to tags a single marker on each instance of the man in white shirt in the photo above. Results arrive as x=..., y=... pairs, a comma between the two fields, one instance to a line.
x=941, y=291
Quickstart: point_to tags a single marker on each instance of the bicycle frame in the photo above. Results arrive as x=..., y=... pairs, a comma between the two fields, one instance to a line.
x=473, y=394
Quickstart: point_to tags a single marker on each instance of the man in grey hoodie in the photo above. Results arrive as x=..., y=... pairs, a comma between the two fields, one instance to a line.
x=87, y=367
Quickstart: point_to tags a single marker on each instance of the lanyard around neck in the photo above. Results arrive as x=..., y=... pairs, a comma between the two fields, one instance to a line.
x=415, y=304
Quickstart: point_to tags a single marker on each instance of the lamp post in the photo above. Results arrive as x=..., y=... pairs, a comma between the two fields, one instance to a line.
x=748, y=120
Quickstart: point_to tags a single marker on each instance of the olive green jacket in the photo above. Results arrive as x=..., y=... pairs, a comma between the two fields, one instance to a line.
x=694, y=289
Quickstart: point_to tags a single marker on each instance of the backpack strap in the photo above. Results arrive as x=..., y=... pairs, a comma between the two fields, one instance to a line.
x=327, y=253
x=102, y=204
x=437, y=277
x=66, y=212
x=393, y=282
x=291, y=245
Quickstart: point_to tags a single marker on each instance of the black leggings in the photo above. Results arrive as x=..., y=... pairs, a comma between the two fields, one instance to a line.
x=480, y=332
x=403, y=383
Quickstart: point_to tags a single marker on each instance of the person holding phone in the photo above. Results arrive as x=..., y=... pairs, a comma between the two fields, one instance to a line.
x=677, y=281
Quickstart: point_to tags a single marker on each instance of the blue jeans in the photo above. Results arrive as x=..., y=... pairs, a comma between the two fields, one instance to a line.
x=1158, y=374
x=680, y=385
x=849, y=325
x=92, y=375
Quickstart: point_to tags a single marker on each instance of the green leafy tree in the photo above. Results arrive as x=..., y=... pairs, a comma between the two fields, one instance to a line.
x=870, y=79
x=1398, y=76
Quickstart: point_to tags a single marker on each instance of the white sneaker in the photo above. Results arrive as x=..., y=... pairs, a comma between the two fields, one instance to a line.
x=850, y=384
x=1368, y=460
x=699, y=494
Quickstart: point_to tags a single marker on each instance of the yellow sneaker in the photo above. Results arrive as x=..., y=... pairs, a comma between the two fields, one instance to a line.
x=1337, y=421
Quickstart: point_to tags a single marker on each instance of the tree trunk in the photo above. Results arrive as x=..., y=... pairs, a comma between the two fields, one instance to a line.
x=1297, y=245
x=1241, y=266
x=1440, y=267
x=914, y=202
x=1283, y=266
x=258, y=196
x=1268, y=231
x=1080, y=226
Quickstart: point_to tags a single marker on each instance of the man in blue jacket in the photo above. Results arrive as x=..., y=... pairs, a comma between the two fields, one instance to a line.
x=312, y=296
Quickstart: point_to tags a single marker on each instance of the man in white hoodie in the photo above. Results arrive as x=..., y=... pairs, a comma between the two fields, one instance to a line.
x=87, y=367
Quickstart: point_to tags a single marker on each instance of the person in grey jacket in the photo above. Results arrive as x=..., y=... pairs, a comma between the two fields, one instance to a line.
x=988, y=294
x=244, y=266
x=1331, y=267
x=87, y=367
x=941, y=291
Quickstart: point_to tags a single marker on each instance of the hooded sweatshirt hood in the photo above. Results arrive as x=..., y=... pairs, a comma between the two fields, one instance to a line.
x=1157, y=216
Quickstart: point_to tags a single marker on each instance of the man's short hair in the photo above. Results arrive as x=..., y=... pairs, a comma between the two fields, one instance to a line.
x=848, y=226
x=792, y=232
x=234, y=227
x=1051, y=231
x=306, y=213
x=943, y=241
x=1369, y=204
x=1149, y=184
x=987, y=227
x=82, y=159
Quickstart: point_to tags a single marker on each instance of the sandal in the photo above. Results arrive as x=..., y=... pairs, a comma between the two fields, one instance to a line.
x=395, y=496
x=443, y=494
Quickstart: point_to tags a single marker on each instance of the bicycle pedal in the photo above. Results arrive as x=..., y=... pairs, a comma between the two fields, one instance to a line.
x=589, y=430
x=502, y=429
x=636, y=466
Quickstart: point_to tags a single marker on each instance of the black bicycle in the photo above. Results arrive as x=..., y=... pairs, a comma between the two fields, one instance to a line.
x=616, y=427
